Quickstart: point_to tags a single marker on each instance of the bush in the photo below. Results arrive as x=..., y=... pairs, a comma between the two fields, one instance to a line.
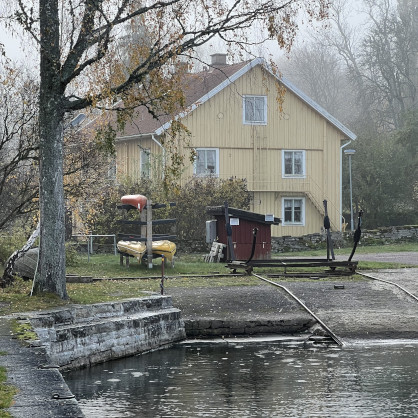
x=197, y=194
x=71, y=254
x=102, y=215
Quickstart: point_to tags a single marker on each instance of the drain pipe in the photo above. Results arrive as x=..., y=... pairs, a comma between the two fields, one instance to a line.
x=163, y=151
x=341, y=181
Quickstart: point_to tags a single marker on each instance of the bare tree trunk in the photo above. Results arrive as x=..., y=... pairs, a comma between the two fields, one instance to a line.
x=51, y=190
x=8, y=278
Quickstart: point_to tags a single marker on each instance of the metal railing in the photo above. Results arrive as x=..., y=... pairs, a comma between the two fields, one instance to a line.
x=90, y=237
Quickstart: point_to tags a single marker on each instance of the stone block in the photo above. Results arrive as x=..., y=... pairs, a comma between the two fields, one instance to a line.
x=90, y=334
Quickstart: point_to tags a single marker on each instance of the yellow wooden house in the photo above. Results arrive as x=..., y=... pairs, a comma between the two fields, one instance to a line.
x=290, y=157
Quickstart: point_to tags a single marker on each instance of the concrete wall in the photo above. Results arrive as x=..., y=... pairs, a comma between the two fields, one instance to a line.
x=87, y=334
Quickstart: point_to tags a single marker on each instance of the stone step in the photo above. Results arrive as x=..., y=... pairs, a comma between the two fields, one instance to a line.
x=76, y=345
x=83, y=335
x=85, y=313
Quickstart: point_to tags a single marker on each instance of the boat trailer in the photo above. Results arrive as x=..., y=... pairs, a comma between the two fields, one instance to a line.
x=333, y=267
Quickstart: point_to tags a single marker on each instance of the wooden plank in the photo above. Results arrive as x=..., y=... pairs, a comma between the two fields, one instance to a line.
x=163, y=205
x=143, y=226
x=149, y=234
x=155, y=237
x=141, y=222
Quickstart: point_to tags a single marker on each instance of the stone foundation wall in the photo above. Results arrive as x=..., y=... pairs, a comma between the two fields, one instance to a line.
x=87, y=334
x=287, y=324
x=380, y=236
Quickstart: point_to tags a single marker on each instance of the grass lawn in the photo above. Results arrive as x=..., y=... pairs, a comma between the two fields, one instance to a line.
x=17, y=299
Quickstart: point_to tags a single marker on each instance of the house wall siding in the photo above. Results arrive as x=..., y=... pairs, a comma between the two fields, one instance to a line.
x=128, y=157
x=254, y=152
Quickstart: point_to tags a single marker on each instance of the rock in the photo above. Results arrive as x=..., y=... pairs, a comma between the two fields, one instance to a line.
x=25, y=266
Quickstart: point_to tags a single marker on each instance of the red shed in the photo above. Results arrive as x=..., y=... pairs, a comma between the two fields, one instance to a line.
x=242, y=224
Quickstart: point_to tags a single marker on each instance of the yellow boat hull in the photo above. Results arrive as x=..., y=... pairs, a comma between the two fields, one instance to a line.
x=134, y=248
x=165, y=248
x=138, y=249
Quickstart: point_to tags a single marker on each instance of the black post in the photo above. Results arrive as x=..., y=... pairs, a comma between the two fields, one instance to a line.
x=357, y=235
x=327, y=226
x=162, y=274
x=255, y=230
x=230, y=254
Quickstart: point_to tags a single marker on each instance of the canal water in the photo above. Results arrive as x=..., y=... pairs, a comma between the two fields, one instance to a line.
x=372, y=379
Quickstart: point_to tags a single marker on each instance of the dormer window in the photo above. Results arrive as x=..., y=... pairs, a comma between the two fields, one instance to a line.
x=255, y=110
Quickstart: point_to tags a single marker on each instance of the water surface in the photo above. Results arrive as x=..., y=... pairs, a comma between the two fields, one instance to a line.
x=254, y=380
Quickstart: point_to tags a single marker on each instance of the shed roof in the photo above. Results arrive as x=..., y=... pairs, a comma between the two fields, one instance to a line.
x=242, y=214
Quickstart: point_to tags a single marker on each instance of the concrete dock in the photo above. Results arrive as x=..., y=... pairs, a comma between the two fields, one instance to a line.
x=355, y=309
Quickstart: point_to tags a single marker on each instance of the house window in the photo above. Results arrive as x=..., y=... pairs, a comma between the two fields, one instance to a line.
x=145, y=163
x=293, y=211
x=293, y=163
x=206, y=162
x=255, y=110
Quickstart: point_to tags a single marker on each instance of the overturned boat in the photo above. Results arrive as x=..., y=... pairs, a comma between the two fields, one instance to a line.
x=138, y=249
x=165, y=248
x=133, y=248
x=137, y=201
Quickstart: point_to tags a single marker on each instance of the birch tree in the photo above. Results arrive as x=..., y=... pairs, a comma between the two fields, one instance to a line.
x=81, y=67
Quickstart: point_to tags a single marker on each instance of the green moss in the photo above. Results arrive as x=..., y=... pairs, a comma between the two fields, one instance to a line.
x=23, y=331
x=6, y=394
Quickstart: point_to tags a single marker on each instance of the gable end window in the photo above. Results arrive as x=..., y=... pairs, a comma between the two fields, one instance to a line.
x=255, y=110
x=293, y=211
x=206, y=162
x=293, y=163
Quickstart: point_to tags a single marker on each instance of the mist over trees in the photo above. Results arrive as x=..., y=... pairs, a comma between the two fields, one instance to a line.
x=18, y=146
x=366, y=75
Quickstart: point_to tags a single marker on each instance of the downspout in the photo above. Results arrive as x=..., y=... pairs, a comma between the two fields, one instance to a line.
x=341, y=181
x=163, y=150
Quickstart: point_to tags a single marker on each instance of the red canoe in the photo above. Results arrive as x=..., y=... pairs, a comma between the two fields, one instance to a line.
x=136, y=200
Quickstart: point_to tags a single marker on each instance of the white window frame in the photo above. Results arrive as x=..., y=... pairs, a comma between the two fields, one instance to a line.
x=145, y=163
x=246, y=121
x=292, y=222
x=293, y=175
x=216, y=168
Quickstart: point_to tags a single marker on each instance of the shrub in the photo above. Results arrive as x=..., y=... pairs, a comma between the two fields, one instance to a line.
x=102, y=216
x=71, y=254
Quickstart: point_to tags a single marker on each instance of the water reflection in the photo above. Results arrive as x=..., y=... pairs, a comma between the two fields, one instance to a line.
x=263, y=380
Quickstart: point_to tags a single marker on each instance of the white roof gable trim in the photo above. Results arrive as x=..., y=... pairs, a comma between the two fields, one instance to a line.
x=260, y=61
x=210, y=94
x=318, y=108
